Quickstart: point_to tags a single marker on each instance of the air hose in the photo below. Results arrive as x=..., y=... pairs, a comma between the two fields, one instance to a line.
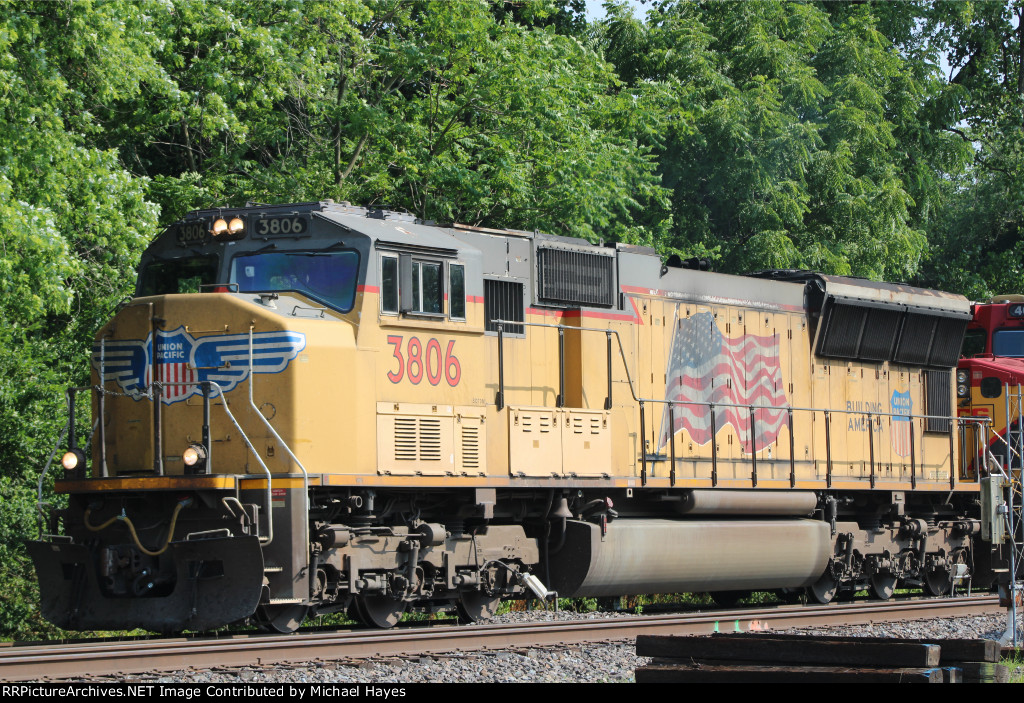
x=131, y=528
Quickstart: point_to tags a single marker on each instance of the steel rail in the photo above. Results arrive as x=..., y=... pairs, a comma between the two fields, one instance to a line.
x=40, y=661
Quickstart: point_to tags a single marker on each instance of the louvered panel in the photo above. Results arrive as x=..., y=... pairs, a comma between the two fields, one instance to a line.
x=430, y=439
x=470, y=447
x=416, y=439
x=405, y=439
x=470, y=441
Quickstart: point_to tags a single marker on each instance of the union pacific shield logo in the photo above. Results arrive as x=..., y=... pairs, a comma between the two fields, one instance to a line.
x=902, y=406
x=181, y=361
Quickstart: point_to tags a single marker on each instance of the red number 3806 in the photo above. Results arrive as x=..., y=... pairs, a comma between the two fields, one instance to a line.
x=419, y=362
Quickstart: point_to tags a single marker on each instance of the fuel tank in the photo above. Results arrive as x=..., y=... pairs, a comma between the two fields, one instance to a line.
x=677, y=556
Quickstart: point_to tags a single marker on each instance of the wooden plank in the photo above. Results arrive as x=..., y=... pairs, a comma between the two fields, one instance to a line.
x=953, y=650
x=952, y=674
x=767, y=649
x=985, y=672
x=783, y=674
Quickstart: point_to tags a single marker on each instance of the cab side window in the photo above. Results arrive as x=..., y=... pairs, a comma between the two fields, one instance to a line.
x=389, y=284
x=457, y=291
x=410, y=285
x=426, y=287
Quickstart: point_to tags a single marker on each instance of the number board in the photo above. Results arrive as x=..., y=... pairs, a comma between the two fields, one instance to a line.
x=192, y=232
x=283, y=226
x=1017, y=310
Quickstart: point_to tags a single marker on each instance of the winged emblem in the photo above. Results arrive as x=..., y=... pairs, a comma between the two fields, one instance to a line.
x=182, y=362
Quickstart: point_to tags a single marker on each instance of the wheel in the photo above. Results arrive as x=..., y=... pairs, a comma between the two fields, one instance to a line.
x=283, y=619
x=936, y=582
x=728, y=599
x=824, y=589
x=380, y=611
x=882, y=586
x=476, y=606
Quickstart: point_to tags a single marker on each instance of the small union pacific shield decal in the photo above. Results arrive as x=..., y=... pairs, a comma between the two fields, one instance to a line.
x=902, y=407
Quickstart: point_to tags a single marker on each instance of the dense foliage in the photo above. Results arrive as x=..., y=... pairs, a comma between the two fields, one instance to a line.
x=873, y=139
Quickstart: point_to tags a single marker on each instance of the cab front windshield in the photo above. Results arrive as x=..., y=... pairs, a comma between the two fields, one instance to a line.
x=974, y=342
x=1008, y=343
x=178, y=275
x=327, y=277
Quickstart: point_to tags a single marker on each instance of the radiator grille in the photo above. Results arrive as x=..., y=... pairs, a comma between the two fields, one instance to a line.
x=841, y=331
x=916, y=340
x=948, y=340
x=863, y=332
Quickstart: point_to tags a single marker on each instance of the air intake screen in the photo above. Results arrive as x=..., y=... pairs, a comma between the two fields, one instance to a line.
x=938, y=386
x=576, y=278
x=503, y=300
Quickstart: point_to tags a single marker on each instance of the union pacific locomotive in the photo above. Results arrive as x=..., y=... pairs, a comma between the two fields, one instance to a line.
x=316, y=407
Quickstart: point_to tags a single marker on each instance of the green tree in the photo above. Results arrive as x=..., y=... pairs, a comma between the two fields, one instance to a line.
x=800, y=136
x=72, y=224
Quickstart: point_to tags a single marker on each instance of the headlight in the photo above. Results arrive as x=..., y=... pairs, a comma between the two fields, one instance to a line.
x=194, y=457
x=963, y=390
x=220, y=226
x=73, y=459
x=961, y=376
x=236, y=225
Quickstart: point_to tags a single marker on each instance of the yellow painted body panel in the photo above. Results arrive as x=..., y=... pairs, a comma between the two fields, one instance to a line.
x=410, y=399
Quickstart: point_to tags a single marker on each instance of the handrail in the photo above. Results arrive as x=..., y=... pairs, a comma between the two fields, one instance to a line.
x=789, y=409
x=157, y=386
x=305, y=474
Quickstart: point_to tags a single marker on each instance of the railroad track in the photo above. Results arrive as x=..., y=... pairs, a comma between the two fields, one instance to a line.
x=97, y=657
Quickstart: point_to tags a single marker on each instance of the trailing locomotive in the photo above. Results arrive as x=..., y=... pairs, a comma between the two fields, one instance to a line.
x=317, y=407
x=990, y=377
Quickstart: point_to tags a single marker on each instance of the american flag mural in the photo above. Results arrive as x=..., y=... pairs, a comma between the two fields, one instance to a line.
x=707, y=367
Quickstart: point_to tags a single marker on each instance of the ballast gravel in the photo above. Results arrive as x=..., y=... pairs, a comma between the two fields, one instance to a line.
x=607, y=662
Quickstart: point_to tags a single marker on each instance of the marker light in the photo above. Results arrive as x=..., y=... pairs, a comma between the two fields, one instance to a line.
x=220, y=226
x=236, y=225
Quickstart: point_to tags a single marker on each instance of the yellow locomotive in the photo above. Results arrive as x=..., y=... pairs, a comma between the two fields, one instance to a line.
x=316, y=407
